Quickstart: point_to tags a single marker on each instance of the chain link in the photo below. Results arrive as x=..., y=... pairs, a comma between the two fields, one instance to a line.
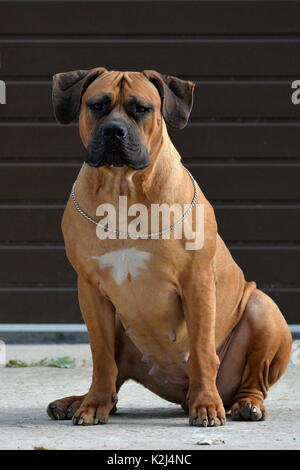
x=146, y=235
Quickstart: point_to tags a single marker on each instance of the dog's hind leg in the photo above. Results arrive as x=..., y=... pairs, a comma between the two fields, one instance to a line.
x=256, y=358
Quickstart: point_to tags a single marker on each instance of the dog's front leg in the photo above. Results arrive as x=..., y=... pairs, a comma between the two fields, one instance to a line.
x=199, y=304
x=99, y=316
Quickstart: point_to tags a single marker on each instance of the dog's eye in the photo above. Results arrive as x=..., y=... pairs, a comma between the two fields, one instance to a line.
x=97, y=106
x=141, y=109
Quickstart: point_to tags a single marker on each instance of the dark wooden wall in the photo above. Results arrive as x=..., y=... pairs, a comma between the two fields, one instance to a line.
x=242, y=144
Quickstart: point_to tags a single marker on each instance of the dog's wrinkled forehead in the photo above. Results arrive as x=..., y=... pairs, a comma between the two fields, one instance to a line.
x=175, y=96
x=120, y=86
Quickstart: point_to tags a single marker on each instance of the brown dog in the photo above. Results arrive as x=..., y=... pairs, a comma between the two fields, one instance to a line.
x=184, y=323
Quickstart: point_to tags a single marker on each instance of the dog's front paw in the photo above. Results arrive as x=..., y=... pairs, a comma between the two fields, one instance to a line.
x=95, y=409
x=206, y=409
x=64, y=408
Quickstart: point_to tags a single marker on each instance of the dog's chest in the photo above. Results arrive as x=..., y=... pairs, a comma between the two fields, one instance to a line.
x=142, y=288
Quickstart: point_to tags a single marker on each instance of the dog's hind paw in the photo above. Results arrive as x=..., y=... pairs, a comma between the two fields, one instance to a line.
x=246, y=410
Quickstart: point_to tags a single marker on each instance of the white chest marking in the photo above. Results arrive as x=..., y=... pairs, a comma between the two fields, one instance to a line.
x=124, y=262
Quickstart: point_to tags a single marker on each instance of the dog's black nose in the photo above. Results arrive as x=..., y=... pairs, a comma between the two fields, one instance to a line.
x=114, y=130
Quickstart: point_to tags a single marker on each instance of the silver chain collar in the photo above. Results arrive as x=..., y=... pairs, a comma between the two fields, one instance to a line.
x=148, y=235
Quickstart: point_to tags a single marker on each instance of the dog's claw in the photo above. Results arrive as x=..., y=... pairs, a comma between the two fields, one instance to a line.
x=55, y=412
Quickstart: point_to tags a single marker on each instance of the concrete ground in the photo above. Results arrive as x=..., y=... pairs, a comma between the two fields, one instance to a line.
x=143, y=421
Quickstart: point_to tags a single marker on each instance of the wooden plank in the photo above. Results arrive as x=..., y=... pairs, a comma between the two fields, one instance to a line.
x=239, y=140
x=26, y=100
x=46, y=182
x=43, y=182
x=287, y=300
x=268, y=264
x=225, y=99
x=204, y=140
x=148, y=17
x=37, y=224
x=44, y=265
x=236, y=99
x=39, y=141
x=237, y=223
x=38, y=305
x=222, y=57
x=258, y=223
x=219, y=181
x=252, y=181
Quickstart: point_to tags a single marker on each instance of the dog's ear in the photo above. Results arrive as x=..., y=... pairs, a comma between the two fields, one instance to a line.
x=176, y=97
x=67, y=91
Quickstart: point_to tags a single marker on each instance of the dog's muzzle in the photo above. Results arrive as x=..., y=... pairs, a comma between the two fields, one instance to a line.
x=115, y=143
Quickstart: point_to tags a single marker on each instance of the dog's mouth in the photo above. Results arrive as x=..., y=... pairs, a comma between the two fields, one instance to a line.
x=116, y=156
x=116, y=144
x=118, y=163
x=113, y=159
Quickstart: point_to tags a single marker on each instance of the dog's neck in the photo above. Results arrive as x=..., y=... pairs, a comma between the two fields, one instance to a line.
x=164, y=181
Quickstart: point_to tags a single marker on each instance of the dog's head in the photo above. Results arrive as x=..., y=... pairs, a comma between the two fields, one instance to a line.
x=120, y=113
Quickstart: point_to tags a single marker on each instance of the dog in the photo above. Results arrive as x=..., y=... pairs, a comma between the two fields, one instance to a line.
x=184, y=323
